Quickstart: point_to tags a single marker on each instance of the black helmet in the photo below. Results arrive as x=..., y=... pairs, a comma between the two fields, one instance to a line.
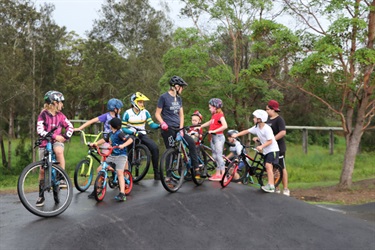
x=115, y=123
x=52, y=96
x=176, y=80
x=231, y=132
x=216, y=102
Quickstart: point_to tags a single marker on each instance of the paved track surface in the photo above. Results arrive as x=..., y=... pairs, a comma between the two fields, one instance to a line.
x=204, y=217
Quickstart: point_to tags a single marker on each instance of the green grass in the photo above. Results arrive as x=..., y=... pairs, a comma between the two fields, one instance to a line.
x=316, y=168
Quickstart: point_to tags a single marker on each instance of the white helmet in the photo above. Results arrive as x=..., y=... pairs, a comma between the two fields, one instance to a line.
x=261, y=114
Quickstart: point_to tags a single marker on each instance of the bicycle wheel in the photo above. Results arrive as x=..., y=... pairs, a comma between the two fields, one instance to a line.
x=209, y=163
x=262, y=177
x=56, y=199
x=141, y=163
x=83, y=175
x=230, y=172
x=100, y=186
x=241, y=172
x=128, y=181
x=172, y=169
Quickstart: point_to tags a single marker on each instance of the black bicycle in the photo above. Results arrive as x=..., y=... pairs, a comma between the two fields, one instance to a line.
x=250, y=170
x=56, y=197
x=175, y=164
x=139, y=157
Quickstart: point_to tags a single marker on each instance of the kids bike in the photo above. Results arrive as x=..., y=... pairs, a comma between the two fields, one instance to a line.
x=47, y=176
x=84, y=171
x=100, y=185
x=246, y=169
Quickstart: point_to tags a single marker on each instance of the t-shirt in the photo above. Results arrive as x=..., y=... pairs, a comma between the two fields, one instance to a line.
x=170, y=106
x=236, y=149
x=264, y=135
x=137, y=120
x=278, y=124
x=117, y=139
x=105, y=118
x=46, y=122
x=215, y=122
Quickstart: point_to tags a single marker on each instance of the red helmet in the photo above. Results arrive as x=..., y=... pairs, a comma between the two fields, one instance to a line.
x=197, y=113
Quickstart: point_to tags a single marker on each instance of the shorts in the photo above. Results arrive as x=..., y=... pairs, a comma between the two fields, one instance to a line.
x=271, y=157
x=55, y=144
x=119, y=160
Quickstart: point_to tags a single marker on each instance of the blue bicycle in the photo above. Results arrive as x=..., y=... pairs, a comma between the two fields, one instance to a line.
x=49, y=177
x=100, y=186
x=175, y=164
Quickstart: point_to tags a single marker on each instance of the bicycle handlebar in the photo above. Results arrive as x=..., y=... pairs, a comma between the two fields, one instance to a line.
x=84, y=136
x=101, y=149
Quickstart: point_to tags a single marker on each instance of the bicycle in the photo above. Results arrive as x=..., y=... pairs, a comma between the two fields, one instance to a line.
x=56, y=198
x=139, y=157
x=252, y=167
x=100, y=185
x=176, y=163
x=208, y=160
x=84, y=171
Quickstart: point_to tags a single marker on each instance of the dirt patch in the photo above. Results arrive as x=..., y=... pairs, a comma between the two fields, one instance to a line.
x=361, y=192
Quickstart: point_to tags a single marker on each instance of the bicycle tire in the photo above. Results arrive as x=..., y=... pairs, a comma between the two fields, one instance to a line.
x=242, y=173
x=172, y=169
x=209, y=164
x=128, y=178
x=262, y=177
x=83, y=175
x=140, y=166
x=100, y=186
x=28, y=195
x=229, y=174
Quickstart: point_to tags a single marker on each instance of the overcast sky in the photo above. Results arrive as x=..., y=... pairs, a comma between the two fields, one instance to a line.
x=78, y=15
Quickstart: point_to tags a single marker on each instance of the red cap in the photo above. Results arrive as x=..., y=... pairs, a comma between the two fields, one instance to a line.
x=274, y=105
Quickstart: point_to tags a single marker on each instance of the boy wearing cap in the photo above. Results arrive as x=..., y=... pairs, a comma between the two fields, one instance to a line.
x=277, y=123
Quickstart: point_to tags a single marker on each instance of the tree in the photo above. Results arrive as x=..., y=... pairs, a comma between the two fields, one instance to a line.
x=336, y=65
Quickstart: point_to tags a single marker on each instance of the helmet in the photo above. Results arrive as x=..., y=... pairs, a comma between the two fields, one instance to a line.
x=231, y=132
x=115, y=123
x=52, y=96
x=138, y=96
x=197, y=113
x=176, y=80
x=114, y=104
x=216, y=102
x=261, y=114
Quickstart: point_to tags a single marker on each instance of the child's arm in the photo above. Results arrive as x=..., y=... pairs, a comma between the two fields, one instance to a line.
x=243, y=132
x=262, y=146
x=206, y=124
x=127, y=141
x=99, y=142
x=88, y=123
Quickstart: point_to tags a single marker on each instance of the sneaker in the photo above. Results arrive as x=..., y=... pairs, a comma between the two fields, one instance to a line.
x=216, y=177
x=63, y=184
x=268, y=188
x=120, y=197
x=286, y=192
x=92, y=195
x=40, y=202
x=170, y=182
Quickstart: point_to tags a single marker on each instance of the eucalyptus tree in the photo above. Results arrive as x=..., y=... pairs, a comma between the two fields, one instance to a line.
x=336, y=65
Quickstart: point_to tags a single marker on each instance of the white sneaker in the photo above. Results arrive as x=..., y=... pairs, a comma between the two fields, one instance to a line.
x=286, y=192
x=277, y=191
x=268, y=188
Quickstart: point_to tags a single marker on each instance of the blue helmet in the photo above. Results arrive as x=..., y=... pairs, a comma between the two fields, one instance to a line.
x=114, y=104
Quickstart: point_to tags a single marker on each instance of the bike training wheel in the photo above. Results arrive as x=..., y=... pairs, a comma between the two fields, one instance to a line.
x=28, y=191
x=100, y=186
x=209, y=164
x=230, y=172
x=83, y=175
x=128, y=181
x=141, y=163
x=172, y=169
x=262, y=177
